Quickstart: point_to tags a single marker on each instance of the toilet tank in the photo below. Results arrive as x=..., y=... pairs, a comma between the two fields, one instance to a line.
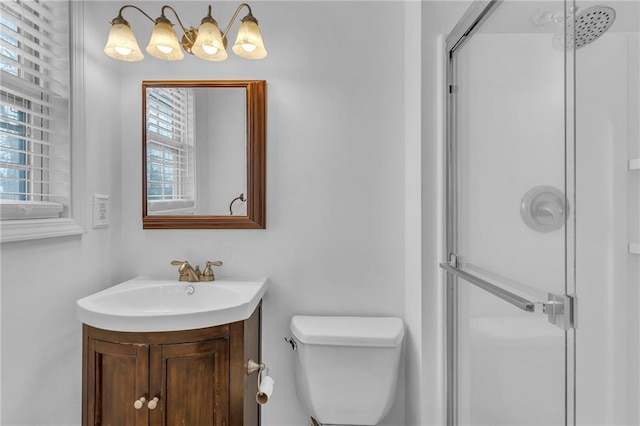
x=347, y=367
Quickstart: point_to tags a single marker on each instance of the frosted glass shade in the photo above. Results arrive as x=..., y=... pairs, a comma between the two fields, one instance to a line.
x=249, y=43
x=208, y=44
x=164, y=42
x=122, y=43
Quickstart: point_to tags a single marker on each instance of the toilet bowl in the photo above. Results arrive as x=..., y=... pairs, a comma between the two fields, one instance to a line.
x=347, y=368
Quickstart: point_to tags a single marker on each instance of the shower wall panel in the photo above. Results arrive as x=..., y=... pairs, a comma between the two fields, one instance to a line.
x=604, y=337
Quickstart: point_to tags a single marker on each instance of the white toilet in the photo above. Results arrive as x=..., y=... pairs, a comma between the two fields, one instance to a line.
x=347, y=367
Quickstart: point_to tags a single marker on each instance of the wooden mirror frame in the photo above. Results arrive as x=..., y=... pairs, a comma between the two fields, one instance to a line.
x=256, y=161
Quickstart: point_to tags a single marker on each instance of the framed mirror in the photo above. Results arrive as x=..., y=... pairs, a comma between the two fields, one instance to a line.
x=203, y=154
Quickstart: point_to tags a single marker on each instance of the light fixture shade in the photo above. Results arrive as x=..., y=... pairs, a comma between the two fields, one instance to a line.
x=122, y=43
x=208, y=44
x=249, y=44
x=164, y=42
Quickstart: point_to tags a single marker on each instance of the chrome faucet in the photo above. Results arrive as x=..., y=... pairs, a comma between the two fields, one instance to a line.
x=188, y=273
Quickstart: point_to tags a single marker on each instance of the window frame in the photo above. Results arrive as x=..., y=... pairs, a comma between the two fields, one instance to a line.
x=31, y=229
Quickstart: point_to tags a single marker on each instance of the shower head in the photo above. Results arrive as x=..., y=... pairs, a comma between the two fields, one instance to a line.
x=588, y=26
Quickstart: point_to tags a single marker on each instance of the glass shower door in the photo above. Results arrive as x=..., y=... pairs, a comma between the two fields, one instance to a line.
x=510, y=228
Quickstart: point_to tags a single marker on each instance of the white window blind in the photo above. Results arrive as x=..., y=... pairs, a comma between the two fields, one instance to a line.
x=170, y=150
x=34, y=109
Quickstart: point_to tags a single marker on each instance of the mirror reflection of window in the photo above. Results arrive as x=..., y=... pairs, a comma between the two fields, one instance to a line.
x=170, y=151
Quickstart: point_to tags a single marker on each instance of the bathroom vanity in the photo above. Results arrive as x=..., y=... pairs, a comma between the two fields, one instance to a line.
x=199, y=377
x=165, y=353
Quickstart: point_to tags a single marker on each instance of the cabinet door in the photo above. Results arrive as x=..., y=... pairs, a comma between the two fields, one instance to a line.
x=192, y=382
x=117, y=377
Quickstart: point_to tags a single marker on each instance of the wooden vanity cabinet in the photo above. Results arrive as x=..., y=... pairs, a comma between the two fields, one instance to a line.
x=199, y=376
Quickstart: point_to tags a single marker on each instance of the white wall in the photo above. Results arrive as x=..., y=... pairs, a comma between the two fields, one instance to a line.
x=334, y=237
x=41, y=338
x=334, y=241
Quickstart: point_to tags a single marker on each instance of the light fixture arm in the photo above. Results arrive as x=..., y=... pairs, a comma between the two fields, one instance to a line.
x=235, y=15
x=186, y=32
x=120, y=18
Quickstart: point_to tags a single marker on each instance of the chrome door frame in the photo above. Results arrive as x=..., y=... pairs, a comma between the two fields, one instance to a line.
x=477, y=13
x=471, y=21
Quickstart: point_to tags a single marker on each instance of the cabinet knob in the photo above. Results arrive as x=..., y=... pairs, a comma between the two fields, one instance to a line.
x=139, y=403
x=153, y=403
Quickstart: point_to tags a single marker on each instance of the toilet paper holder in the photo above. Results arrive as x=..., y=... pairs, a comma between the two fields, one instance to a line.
x=253, y=366
x=265, y=389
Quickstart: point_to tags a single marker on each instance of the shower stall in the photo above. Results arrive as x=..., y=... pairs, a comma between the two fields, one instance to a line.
x=541, y=256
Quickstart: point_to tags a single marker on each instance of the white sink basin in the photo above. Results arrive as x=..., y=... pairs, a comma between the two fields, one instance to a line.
x=146, y=304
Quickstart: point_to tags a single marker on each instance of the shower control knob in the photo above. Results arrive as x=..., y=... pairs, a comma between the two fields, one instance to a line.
x=544, y=208
x=139, y=403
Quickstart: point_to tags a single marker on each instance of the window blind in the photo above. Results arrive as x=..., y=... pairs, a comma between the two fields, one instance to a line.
x=170, y=148
x=34, y=107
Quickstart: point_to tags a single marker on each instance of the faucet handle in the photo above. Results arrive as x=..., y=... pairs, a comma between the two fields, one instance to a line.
x=207, y=274
x=182, y=269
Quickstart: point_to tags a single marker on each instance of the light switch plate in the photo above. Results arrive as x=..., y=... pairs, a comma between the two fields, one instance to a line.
x=100, y=211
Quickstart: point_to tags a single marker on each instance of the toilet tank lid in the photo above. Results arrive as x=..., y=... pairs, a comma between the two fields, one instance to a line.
x=348, y=331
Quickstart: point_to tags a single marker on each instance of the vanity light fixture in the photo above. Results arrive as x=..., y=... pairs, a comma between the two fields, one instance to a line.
x=207, y=42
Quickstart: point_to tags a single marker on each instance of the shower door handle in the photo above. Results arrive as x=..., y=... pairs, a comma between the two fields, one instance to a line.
x=560, y=310
x=507, y=296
